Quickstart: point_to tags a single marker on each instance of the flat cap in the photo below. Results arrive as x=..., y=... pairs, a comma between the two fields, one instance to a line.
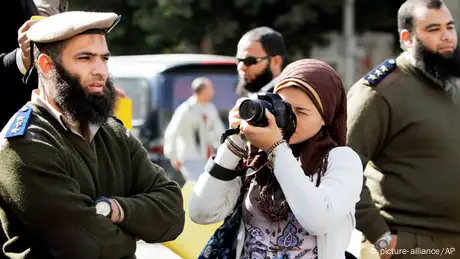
x=66, y=25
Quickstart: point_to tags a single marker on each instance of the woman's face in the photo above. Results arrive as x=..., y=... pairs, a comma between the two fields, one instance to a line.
x=309, y=121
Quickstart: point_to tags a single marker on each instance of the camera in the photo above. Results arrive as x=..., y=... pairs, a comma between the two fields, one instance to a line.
x=253, y=111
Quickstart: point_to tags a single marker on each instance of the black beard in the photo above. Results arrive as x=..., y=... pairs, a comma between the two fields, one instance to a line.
x=76, y=103
x=440, y=67
x=254, y=86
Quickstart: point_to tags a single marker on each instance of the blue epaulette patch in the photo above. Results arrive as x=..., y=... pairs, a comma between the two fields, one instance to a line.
x=19, y=125
x=380, y=72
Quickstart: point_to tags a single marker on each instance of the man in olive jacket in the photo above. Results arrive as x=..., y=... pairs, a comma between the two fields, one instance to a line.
x=74, y=182
x=404, y=123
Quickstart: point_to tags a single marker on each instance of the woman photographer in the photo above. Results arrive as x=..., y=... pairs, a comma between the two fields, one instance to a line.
x=295, y=199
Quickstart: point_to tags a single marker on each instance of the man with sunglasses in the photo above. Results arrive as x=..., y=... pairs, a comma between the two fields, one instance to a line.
x=260, y=56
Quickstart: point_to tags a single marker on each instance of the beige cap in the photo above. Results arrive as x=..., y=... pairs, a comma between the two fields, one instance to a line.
x=69, y=24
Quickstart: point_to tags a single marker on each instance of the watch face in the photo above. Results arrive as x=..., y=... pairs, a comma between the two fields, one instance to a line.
x=103, y=208
x=383, y=244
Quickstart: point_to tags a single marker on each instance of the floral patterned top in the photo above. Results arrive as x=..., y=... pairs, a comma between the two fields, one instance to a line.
x=274, y=240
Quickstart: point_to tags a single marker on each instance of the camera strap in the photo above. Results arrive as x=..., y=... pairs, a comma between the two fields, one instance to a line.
x=228, y=133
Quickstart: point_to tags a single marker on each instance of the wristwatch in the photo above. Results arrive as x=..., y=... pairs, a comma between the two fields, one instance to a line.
x=104, y=207
x=383, y=243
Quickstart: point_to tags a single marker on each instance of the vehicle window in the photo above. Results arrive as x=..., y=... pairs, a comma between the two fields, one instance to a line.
x=137, y=89
x=224, y=81
x=224, y=86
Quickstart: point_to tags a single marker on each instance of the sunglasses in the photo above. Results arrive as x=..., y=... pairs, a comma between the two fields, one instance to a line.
x=249, y=61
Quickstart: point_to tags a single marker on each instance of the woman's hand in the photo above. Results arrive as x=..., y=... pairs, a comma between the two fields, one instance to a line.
x=234, y=119
x=263, y=138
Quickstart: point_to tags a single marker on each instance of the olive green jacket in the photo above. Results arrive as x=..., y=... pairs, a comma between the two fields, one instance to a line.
x=406, y=129
x=50, y=178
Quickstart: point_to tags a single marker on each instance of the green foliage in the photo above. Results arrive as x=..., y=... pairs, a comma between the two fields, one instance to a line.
x=165, y=26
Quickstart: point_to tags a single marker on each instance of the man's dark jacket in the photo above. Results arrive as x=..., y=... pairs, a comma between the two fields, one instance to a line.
x=13, y=91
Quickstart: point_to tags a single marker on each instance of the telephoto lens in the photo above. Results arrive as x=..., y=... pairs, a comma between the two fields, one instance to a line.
x=253, y=111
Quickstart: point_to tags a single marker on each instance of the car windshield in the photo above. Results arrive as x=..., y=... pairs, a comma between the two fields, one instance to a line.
x=137, y=89
x=224, y=86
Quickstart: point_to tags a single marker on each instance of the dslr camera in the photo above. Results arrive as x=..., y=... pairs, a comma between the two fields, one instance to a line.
x=253, y=111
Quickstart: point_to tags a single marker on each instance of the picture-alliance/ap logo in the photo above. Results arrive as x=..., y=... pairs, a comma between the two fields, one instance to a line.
x=414, y=251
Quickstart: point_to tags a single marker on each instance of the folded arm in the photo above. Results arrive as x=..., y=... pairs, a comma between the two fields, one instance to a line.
x=37, y=188
x=154, y=212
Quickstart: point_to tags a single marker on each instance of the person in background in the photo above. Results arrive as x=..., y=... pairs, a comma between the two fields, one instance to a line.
x=194, y=131
x=404, y=124
x=261, y=53
x=15, y=51
x=75, y=183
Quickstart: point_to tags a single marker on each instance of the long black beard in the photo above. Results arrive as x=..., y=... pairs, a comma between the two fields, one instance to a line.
x=254, y=86
x=77, y=103
x=438, y=66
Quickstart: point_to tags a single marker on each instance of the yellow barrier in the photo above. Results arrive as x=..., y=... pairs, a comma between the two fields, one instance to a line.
x=37, y=17
x=124, y=112
x=194, y=237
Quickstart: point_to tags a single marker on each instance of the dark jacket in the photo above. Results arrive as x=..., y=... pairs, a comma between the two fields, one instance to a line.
x=14, y=92
x=405, y=128
x=51, y=178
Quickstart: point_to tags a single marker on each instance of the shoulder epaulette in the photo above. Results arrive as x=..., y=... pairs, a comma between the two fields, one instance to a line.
x=379, y=72
x=20, y=122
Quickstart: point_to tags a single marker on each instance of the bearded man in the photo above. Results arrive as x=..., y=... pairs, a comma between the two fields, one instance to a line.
x=404, y=123
x=260, y=55
x=75, y=183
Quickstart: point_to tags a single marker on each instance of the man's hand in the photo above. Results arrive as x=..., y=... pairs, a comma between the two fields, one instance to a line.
x=115, y=211
x=387, y=254
x=24, y=42
x=234, y=118
x=262, y=137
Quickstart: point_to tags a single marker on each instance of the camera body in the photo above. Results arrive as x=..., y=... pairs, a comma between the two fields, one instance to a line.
x=253, y=111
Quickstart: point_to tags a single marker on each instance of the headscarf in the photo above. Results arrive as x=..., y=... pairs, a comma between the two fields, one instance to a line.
x=324, y=87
